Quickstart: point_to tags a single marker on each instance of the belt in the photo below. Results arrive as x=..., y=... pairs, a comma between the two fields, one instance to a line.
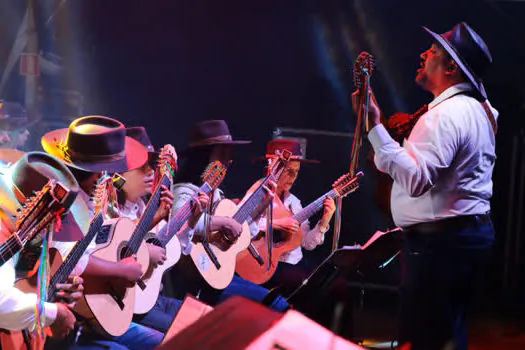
x=449, y=224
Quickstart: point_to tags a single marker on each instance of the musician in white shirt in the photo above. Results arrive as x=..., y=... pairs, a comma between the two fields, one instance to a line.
x=442, y=187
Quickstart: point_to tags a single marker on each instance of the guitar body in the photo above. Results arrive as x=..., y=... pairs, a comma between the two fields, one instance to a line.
x=146, y=299
x=15, y=340
x=108, y=304
x=248, y=268
x=221, y=278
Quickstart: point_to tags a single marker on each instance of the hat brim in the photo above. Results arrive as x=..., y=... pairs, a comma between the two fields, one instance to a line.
x=136, y=155
x=227, y=142
x=75, y=224
x=301, y=160
x=478, y=85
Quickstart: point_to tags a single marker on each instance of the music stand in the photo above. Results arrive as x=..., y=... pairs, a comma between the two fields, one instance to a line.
x=356, y=260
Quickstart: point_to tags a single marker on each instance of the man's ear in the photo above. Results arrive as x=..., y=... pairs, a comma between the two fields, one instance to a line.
x=452, y=68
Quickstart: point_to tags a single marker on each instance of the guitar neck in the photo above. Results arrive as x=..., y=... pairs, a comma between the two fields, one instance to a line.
x=74, y=256
x=145, y=220
x=251, y=203
x=18, y=239
x=312, y=208
x=9, y=248
x=180, y=217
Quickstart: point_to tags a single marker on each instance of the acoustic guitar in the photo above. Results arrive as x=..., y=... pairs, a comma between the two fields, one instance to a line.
x=250, y=269
x=214, y=258
x=37, y=214
x=167, y=237
x=109, y=304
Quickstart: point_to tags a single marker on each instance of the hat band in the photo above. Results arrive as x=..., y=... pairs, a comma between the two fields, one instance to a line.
x=291, y=157
x=94, y=158
x=211, y=140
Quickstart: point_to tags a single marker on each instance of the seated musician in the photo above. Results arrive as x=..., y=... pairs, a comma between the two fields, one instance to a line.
x=139, y=184
x=115, y=153
x=210, y=141
x=17, y=309
x=288, y=273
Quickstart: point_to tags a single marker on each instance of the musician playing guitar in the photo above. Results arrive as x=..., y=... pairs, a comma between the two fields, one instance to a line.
x=114, y=152
x=210, y=141
x=284, y=205
x=139, y=183
x=17, y=309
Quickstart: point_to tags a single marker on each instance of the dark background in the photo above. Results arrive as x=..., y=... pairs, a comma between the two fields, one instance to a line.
x=167, y=64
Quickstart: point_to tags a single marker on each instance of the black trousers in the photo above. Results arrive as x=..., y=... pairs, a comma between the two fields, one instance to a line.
x=441, y=273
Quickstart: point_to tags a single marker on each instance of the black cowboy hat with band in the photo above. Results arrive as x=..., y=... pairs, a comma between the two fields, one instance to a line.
x=95, y=143
x=284, y=144
x=469, y=51
x=30, y=173
x=212, y=132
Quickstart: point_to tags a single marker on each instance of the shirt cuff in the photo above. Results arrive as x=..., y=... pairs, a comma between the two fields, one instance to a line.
x=50, y=311
x=325, y=230
x=379, y=137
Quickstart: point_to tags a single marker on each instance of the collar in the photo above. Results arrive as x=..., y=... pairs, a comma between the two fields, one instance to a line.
x=448, y=93
x=130, y=206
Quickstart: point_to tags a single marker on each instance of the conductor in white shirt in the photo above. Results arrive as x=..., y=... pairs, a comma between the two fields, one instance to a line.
x=442, y=187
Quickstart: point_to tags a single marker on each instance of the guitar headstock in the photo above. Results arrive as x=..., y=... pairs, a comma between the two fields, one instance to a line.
x=347, y=184
x=214, y=174
x=363, y=67
x=167, y=162
x=101, y=194
x=279, y=164
x=50, y=199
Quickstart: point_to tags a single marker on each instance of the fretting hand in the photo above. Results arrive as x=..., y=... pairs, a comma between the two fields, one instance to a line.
x=198, y=205
x=374, y=112
x=71, y=291
x=328, y=212
x=166, y=201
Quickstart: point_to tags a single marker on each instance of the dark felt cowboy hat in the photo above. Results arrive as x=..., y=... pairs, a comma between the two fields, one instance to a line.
x=94, y=144
x=30, y=173
x=139, y=133
x=291, y=145
x=469, y=51
x=212, y=132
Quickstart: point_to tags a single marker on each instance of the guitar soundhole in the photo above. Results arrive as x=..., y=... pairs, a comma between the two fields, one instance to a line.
x=103, y=234
x=122, y=251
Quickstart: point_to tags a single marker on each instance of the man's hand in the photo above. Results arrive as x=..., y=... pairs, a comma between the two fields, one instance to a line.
x=157, y=255
x=71, y=291
x=64, y=323
x=130, y=270
x=374, y=112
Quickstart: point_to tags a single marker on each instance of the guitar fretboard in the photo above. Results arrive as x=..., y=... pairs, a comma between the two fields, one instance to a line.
x=312, y=208
x=179, y=218
x=9, y=248
x=145, y=220
x=252, y=202
x=74, y=256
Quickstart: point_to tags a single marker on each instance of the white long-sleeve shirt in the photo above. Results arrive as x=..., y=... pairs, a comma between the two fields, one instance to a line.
x=183, y=192
x=311, y=238
x=17, y=307
x=444, y=168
